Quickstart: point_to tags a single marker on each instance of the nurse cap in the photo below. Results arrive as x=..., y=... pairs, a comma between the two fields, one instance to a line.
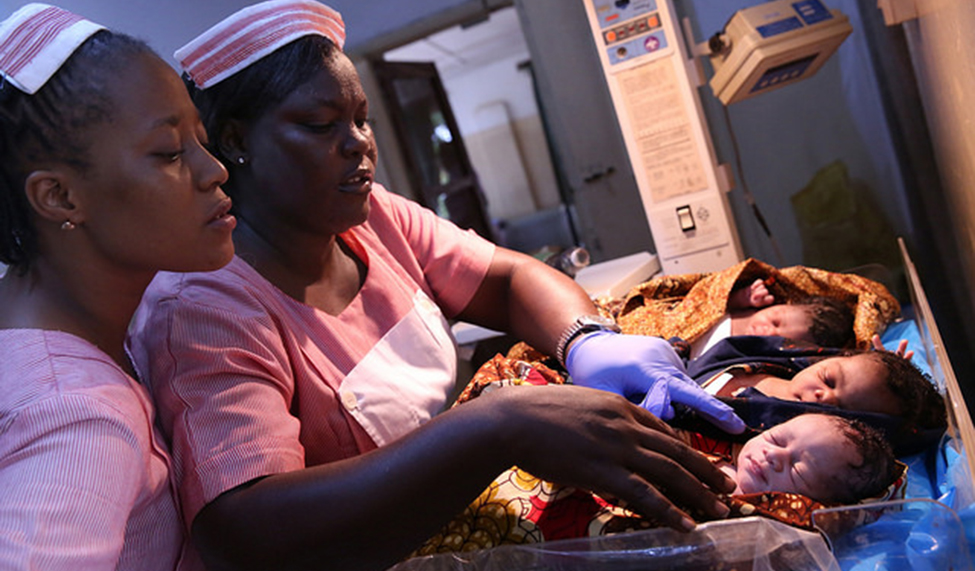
x=250, y=34
x=36, y=40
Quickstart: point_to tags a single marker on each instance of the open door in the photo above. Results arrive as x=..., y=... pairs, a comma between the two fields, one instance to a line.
x=437, y=162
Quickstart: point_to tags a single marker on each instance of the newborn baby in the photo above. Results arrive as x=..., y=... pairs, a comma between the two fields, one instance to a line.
x=752, y=310
x=879, y=382
x=826, y=458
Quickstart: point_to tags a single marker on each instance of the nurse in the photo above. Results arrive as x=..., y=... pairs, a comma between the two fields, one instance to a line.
x=302, y=385
x=104, y=179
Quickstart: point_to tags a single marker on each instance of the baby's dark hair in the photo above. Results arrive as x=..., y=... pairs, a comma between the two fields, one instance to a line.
x=51, y=126
x=922, y=406
x=877, y=468
x=832, y=321
x=248, y=94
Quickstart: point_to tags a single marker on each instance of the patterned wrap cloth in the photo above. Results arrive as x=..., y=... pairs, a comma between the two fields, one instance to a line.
x=518, y=508
x=688, y=305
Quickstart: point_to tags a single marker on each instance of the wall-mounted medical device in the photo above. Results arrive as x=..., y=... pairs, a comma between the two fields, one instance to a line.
x=654, y=88
x=772, y=45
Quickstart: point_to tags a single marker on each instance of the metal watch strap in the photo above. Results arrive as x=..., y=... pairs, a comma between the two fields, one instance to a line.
x=582, y=325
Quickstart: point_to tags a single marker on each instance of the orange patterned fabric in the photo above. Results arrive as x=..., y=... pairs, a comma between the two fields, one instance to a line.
x=688, y=305
x=501, y=372
x=518, y=508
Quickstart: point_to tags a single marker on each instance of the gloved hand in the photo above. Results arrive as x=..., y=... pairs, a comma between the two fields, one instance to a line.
x=645, y=369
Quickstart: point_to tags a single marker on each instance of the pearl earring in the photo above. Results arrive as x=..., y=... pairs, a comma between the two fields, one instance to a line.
x=241, y=160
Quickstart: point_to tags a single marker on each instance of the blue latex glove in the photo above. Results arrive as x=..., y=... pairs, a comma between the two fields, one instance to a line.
x=645, y=369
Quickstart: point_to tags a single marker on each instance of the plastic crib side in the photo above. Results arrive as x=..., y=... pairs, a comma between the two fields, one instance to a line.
x=960, y=427
x=919, y=534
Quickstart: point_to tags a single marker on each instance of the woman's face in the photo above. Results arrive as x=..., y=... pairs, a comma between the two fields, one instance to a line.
x=312, y=159
x=151, y=193
x=807, y=455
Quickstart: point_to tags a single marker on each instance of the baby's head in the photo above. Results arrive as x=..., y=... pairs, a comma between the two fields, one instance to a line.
x=819, y=320
x=832, y=321
x=868, y=381
x=827, y=458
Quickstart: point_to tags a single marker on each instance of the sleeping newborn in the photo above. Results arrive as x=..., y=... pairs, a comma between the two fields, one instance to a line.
x=827, y=458
x=877, y=382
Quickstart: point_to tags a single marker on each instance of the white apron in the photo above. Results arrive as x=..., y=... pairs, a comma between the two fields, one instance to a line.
x=405, y=378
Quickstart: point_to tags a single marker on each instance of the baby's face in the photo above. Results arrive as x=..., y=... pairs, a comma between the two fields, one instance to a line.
x=808, y=455
x=790, y=321
x=857, y=382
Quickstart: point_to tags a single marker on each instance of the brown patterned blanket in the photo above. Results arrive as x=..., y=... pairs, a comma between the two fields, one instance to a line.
x=688, y=305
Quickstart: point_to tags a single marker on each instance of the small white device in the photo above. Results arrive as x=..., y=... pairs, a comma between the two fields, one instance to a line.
x=774, y=44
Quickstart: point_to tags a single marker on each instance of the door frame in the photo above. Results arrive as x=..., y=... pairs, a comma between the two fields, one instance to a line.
x=386, y=72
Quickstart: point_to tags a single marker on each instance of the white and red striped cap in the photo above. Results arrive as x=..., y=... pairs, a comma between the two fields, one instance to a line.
x=250, y=34
x=36, y=40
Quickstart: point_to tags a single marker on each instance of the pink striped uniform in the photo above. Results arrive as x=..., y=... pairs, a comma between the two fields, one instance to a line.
x=250, y=382
x=84, y=478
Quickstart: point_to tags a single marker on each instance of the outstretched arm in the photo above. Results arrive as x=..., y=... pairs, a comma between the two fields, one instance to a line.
x=537, y=303
x=368, y=512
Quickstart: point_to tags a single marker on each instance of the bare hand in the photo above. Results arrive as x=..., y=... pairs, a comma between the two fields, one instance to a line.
x=599, y=441
x=754, y=295
x=901, y=347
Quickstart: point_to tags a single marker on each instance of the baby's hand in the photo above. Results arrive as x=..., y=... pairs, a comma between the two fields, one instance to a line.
x=901, y=347
x=754, y=295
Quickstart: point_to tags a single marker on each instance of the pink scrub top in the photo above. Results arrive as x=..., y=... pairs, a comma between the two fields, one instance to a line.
x=84, y=478
x=249, y=382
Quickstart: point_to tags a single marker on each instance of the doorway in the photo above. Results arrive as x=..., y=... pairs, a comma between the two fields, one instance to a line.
x=486, y=82
x=436, y=159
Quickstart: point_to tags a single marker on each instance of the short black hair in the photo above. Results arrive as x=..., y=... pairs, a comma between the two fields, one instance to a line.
x=877, y=468
x=52, y=125
x=922, y=406
x=832, y=321
x=251, y=92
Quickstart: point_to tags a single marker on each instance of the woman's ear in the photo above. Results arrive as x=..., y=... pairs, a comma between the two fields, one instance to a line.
x=231, y=142
x=52, y=198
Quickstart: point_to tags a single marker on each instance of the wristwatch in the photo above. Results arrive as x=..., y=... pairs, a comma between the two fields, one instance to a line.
x=582, y=325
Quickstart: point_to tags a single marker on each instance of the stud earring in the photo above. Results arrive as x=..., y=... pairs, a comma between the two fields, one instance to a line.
x=68, y=225
x=241, y=160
